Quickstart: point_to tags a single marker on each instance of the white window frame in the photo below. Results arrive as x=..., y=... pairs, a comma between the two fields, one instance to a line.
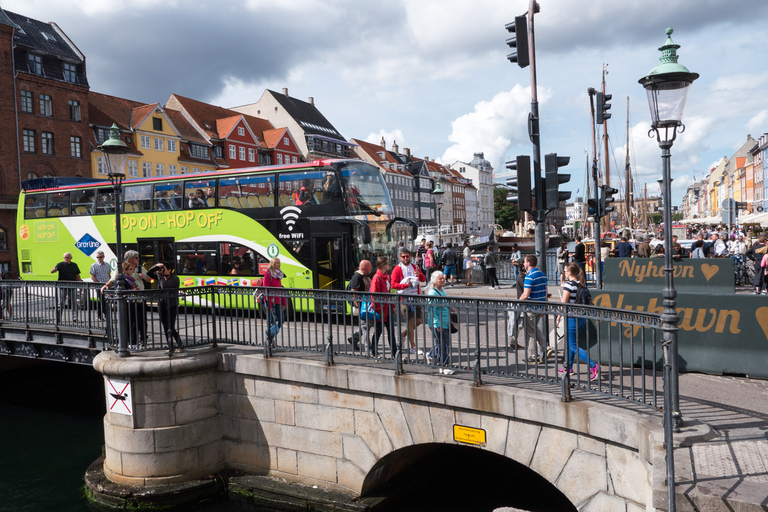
x=251, y=155
x=46, y=105
x=159, y=169
x=146, y=169
x=171, y=146
x=195, y=170
x=242, y=153
x=27, y=102
x=46, y=143
x=101, y=167
x=184, y=169
x=36, y=62
x=133, y=169
x=286, y=141
x=70, y=72
x=74, y=110
x=75, y=146
x=145, y=142
x=279, y=159
x=232, y=152
x=159, y=143
x=240, y=131
x=295, y=159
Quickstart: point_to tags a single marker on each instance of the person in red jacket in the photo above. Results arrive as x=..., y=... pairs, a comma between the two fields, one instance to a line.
x=405, y=279
x=272, y=278
x=380, y=284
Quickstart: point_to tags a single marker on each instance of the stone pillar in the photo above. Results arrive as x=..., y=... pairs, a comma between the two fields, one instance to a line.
x=162, y=424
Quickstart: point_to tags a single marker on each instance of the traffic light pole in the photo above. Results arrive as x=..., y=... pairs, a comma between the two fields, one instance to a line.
x=539, y=214
x=596, y=223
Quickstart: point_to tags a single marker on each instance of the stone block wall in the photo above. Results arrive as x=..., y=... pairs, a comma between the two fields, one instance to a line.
x=329, y=425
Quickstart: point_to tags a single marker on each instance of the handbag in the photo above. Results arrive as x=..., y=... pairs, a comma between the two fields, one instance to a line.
x=454, y=323
x=368, y=312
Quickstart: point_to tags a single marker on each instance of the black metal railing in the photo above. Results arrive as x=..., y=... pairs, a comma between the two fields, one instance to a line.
x=491, y=339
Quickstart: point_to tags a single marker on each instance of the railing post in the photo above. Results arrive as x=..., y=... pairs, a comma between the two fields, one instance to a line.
x=398, y=339
x=329, y=346
x=268, y=314
x=476, y=372
x=566, y=354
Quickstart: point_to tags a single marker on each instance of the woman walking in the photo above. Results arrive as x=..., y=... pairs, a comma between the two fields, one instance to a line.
x=467, y=253
x=562, y=259
x=440, y=323
x=273, y=279
x=380, y=284
x=575, y=276
x=490, y=268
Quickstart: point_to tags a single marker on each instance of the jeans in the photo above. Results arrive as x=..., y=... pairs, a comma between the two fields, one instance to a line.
x=168, y=317
x=441, y=352
x=275, y=322
x=378, y=328
x=575, y=325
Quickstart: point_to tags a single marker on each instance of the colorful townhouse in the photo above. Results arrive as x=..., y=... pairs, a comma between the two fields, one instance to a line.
x=43, y=114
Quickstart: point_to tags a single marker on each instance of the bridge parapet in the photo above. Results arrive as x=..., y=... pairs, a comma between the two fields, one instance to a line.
x=348, y=427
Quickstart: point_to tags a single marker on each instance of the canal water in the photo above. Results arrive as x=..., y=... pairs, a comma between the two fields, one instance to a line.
x=51, y=430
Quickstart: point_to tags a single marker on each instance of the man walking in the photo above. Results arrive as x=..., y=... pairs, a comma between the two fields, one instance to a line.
x=100, y=274
x=405, y=279
x=449, y=260
x=579, y=255
x=535, y=288
x=68, y=271
x=360, y=282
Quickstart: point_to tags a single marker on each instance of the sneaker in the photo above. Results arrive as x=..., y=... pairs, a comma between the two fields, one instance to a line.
x=440, y=370
x=429, y=360
x=490, y=288
x=448, y=371
x=550, y=353
x=593, y=373
x=415, y=351
x=532, y=359
x=562, y=370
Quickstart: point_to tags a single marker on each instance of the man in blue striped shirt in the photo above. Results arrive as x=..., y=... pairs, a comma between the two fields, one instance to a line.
x=535, y=288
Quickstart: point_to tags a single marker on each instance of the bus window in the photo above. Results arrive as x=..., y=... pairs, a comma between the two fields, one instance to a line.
x=34, y=206
x=366, y=191
x=236, y=260
x=105, y=202
x=82, y=202
x=164, y=197
x=58, y=204
x=246, y=191
x=301, y=188
x=200, y=194
x=138, y=198
x=198, y=258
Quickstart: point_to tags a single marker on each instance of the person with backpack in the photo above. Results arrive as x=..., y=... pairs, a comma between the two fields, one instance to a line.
x=360, y=282
x=575, y=291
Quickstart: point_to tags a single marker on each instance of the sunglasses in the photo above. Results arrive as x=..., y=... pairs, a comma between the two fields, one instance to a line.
x=405, y=256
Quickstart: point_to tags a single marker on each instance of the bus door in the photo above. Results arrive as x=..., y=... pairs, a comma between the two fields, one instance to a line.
x=329, y=256
x=156, y=250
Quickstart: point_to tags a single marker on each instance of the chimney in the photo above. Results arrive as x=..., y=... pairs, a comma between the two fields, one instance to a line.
x=312, y=101
x=383, y=143
x=426, y=159
x=407, y=152
x=395, y=148
x=285, y=91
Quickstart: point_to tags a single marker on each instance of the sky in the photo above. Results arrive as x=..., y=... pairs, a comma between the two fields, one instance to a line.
x=433, y=75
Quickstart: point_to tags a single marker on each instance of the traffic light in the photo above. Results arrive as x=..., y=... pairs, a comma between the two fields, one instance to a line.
x=606, y=200
x=519, y=41
x=553, y=179
x=602, y=114
x=520, y=186
x=592, y=208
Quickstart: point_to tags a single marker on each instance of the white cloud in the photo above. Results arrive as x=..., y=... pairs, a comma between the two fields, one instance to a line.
x=492, y=127
x=395, y=136
x=758, y=123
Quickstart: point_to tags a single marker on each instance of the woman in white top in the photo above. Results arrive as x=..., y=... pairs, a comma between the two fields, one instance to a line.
x=467, y=263
x=573, y=277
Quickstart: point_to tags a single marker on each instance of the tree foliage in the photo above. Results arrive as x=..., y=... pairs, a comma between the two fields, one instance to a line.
x=504, y=213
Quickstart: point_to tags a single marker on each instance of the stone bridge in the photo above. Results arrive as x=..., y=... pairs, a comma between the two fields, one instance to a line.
x=368, y=432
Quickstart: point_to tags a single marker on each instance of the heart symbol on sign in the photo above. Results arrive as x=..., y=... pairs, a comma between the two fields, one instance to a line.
x=762, y=318
x=709, y=270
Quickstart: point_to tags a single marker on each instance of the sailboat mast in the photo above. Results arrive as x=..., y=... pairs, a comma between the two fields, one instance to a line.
x=628, y=177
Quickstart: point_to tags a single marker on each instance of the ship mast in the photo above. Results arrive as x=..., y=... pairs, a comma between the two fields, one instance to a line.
x=607, y=175
x=628, y=191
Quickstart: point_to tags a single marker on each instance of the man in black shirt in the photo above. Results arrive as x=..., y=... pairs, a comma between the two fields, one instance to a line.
x=579, y=254
x=360, y=282
x=68, y=271
x=449, y=261
x=624, y=248
x=169, y=303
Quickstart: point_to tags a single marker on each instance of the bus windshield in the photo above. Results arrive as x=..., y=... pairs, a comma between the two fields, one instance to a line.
x=366, y=191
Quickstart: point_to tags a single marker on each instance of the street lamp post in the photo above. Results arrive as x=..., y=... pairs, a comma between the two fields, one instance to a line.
x=438, y=194
x=667, y=88
x=116, y=155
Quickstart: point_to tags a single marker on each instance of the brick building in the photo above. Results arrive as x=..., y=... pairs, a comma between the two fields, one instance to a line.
x=43, y=114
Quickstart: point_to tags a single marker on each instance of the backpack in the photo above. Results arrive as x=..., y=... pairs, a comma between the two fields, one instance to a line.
x=436, y=258
x=583, y=296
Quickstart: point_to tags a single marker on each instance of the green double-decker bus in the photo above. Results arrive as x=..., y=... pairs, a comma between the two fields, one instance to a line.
x=320, y=218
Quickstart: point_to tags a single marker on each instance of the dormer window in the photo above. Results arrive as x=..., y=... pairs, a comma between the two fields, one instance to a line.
x=35, y=63
x=70, y=72
x=157, y=124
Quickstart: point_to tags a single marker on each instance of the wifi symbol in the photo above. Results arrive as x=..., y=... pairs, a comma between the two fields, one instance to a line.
x=290, y=214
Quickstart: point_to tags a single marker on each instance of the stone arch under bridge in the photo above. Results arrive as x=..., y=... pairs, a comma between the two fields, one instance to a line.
x=354, y=428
